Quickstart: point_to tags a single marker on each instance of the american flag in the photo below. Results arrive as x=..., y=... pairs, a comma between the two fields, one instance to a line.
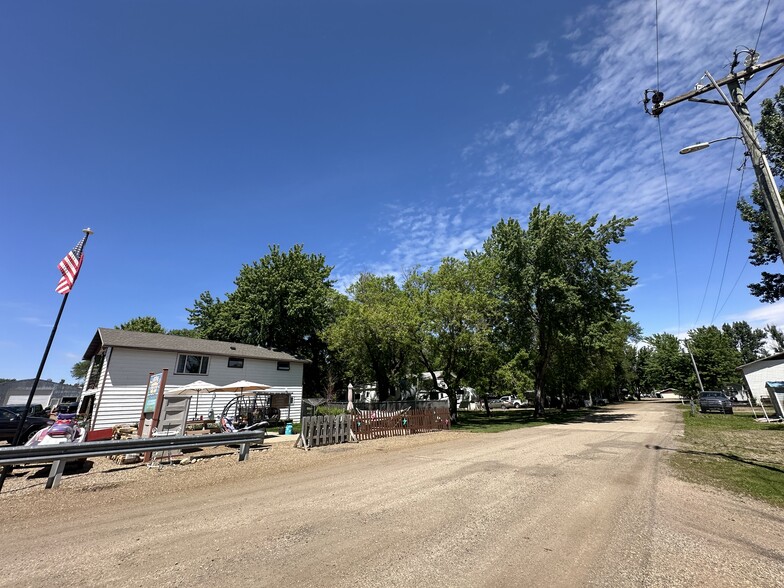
x=69, y=267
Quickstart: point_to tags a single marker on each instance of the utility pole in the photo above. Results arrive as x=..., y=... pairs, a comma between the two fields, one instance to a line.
x=738, y=107
x=696, y=371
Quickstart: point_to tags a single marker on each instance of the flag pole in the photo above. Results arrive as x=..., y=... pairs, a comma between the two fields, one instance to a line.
x=20, y=427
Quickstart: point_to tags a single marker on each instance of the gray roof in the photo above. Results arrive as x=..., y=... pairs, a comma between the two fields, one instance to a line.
x=773, y=357
x=157, y=342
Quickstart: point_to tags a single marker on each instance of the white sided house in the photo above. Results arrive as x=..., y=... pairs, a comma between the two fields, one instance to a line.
x=758, y=373
x=121, y=362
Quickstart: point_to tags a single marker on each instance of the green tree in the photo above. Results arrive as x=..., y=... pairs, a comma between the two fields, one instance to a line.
x=192, y=333
x=764, y=248
x=371, y=334
x=79, y=370
x=282, y=301
x=777, y=337
x=560, y=288
x=748, y=342
x=143, y=324
x=665, y=364
x=716, y=358
x=455, y=319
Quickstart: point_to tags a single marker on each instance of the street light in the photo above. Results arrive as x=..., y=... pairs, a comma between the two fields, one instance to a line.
x=765, y=180
x=705, y=145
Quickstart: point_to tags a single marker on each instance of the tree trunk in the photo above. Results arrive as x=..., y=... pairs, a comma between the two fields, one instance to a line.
x=538, y=400
x=452, y=405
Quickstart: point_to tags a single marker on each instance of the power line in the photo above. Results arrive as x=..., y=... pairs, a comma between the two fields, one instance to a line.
x=672, y=229
x=718, y=237
x=762, y=24
x=726, y=257
x=666, y=183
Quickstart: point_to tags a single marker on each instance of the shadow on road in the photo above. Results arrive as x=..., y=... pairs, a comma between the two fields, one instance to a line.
x=727, y=456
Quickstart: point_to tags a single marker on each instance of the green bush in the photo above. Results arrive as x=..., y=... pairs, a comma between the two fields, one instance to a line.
x=325, y=411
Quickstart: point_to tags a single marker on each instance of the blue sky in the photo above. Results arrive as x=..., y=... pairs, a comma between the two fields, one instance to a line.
x=192, y=135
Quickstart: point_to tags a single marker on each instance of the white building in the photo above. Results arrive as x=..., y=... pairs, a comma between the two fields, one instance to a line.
x=121, y=362
x=758, y=373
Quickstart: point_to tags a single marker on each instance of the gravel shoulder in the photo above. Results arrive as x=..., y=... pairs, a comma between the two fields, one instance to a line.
x=589, y=504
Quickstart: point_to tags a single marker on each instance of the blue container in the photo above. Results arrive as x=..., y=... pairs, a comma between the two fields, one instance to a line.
x=289, y=429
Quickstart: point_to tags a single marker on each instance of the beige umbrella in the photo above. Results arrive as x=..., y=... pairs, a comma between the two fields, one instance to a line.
x=350, y=404
x=242, y=387
x=194, y=388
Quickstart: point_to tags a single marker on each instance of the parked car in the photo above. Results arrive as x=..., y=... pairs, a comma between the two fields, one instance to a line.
x=495, y=402
x=9, y=422
x=717, y=401
x=514, y=401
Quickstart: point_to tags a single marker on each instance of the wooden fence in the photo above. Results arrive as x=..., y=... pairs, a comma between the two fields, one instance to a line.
x=325, y=430
x=371, y=424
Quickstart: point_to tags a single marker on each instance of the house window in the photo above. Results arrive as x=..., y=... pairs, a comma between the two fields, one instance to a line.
x=236, y=362
x=192, y=364
x=283, y=366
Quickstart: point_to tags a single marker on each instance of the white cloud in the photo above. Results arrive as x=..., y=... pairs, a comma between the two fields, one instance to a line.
x=540, y=49
x=503, y=89
x=588, y=147
x=763, y=315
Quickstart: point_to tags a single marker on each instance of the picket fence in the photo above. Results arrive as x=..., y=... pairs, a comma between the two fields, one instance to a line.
x=363, y=425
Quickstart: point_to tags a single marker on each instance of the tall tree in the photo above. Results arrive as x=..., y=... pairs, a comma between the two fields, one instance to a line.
x=142, y=324
x=716, y=357
x=371, y=335
x=764, y=249
x=557, y=280
x=455, y=319
x=79, y=370
x=777, y=337
x=666, y=366
x=282, y=301
x=748, y=342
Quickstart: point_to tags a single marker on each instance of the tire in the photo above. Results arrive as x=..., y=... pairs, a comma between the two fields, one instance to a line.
x=728, y=411
x=27, y=435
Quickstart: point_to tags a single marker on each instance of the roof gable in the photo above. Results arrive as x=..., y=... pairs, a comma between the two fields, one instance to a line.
x=157, y=342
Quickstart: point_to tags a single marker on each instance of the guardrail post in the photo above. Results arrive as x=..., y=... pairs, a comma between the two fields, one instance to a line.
x=55, y=473
x=244, y=449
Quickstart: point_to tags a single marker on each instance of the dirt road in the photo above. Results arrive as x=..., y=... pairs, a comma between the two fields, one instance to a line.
x=588, y=504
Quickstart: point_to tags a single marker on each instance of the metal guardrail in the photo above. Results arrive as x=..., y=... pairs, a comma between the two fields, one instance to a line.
x=59, y=455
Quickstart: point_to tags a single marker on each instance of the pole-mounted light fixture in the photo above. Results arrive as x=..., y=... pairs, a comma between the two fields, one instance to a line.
x=704, y=145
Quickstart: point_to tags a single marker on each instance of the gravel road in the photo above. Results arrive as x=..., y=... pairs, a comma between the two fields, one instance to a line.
x=585, y=504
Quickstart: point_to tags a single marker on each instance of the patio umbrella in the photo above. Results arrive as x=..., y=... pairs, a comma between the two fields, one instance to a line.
x=350, y=403
x=242, y=387
x=195, y=388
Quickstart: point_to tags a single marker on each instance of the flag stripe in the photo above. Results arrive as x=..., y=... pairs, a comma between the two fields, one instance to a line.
x=69, y=267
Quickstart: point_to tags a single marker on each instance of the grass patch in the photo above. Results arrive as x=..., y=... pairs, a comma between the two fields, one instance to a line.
x=506, y=420
x=733, y=452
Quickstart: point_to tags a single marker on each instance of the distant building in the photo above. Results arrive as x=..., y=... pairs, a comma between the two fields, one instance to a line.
x=47, y=393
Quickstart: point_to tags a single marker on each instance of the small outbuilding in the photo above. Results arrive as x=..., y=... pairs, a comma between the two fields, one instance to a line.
x=122, y=361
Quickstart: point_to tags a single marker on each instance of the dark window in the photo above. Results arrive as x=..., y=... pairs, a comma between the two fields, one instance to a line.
x=192, y=364
x=283, y=366
x=236, y=362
